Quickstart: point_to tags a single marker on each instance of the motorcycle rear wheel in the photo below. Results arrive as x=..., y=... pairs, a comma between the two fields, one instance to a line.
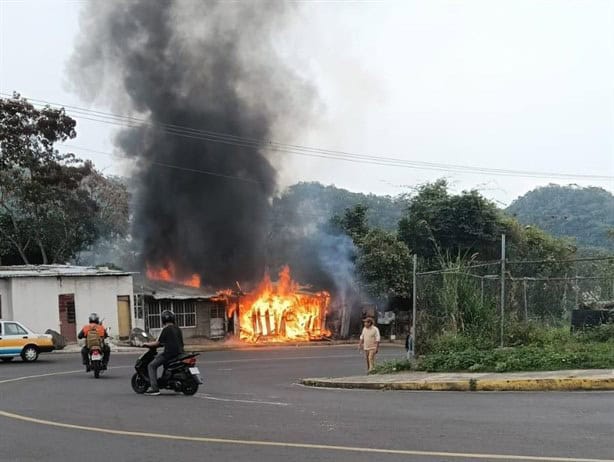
x=189, y=388
x=139, y=384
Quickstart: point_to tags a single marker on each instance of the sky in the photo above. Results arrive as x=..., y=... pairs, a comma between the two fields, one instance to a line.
x=511, y=85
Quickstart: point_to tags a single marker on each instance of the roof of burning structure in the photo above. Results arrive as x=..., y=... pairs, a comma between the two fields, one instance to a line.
x=163, y=290
x=26, y=271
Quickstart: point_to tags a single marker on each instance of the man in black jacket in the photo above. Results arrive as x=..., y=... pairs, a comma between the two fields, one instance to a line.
x=171, y=339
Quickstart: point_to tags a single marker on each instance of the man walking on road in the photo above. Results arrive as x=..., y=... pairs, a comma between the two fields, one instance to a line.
x=369, y=342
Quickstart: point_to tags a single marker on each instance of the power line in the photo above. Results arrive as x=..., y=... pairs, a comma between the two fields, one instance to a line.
x=239, y=141
x=175, y=167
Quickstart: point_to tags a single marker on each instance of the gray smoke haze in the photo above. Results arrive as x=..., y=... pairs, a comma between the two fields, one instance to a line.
x=207, y=66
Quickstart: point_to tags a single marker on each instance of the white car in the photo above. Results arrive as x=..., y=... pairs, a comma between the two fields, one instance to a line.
x=17, y=340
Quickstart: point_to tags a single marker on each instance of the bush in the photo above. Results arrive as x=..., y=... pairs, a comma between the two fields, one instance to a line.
x=574, y=355
x=396, y=365
x=535, y=348
x=602, y=333
x=447, y=343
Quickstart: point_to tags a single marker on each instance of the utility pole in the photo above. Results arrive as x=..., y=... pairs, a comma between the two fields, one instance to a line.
x=413, y=300
x=502, y=287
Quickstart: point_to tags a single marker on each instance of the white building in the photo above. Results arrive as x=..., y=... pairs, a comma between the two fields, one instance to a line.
x=61, y=297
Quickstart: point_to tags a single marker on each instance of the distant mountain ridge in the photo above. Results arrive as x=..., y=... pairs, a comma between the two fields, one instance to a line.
x=583, y=213
x=313, y=199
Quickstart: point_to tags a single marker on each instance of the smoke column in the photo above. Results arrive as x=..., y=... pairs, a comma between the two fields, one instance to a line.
x=207, y=66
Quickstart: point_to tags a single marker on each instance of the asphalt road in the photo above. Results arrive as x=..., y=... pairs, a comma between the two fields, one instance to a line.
x=251, y=409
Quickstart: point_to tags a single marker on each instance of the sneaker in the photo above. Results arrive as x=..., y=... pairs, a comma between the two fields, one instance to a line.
x=152, y=392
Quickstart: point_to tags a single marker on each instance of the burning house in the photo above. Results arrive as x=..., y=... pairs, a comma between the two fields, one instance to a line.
x=199, y=312
x=282, y=311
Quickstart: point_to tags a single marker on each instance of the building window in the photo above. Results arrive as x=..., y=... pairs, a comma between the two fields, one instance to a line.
x=153, y=315
x=217, y=311
x=138, y=306
x=185, y=312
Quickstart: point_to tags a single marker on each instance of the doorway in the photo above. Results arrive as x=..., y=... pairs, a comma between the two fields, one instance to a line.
x=124, y=320
x=68, y=328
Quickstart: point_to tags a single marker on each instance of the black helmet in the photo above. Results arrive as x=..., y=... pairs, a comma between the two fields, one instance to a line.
x=167, y=316
x=94, y=318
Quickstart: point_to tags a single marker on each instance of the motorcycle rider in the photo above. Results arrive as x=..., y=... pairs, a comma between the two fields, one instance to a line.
x=171, y=339
x=95, y=324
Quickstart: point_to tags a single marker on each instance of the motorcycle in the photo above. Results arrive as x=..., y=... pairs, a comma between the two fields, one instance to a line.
x=95, y=354
x=95, y=361
x=180, y=375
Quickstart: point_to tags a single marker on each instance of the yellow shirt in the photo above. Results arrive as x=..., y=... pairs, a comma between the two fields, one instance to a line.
x=370, y=337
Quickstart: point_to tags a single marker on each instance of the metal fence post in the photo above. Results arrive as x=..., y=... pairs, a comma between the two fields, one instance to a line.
x=413, y=301
x=502, y=286
x=577, y=290
x=526, y=304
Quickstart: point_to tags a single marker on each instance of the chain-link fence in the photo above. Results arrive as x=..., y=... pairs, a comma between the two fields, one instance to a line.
x=471, y=298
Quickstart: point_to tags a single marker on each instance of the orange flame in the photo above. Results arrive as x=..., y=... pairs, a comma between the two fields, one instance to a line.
x=168, y=273
x=282, y=312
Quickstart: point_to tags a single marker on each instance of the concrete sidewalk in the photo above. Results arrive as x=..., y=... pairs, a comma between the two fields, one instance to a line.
x=594, y=379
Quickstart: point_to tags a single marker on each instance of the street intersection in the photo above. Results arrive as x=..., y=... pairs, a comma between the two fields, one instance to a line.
x=252, y=408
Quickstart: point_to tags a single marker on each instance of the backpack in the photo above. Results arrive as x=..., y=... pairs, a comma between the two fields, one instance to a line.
x=92, y=339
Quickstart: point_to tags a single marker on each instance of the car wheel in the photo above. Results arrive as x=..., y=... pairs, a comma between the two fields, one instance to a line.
x=29, y=353
x=6, y=360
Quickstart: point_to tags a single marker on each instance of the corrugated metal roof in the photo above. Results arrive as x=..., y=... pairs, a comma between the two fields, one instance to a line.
x=28, y=271
x=162, y=290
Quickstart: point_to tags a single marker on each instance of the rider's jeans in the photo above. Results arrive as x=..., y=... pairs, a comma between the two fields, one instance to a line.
x=152, y=369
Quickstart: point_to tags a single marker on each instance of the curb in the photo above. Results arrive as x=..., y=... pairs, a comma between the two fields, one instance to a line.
x=476, y=384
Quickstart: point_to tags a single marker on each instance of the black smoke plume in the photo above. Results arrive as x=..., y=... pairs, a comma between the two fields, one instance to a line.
x=201, y=202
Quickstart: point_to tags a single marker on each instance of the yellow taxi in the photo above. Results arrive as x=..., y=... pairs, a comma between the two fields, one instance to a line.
x=17, y=340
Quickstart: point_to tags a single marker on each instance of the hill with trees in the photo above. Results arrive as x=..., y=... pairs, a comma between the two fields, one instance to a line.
x=312, y=201
x=585, y=214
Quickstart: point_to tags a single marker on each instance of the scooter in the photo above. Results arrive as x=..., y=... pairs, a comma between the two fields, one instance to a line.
x=180, y=375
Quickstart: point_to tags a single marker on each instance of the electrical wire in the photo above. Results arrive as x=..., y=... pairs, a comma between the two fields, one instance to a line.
x=294, y=149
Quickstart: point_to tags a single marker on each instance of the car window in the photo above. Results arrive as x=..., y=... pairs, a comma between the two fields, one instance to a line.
x=12, y=328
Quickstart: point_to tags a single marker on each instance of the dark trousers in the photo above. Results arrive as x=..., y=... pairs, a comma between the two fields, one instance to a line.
x=106, y=354
x=152, y=369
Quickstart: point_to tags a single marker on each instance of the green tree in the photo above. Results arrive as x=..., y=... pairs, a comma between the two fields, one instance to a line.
x=47, y=214
x=353, y=222
x=384, y=264
x=437, y=223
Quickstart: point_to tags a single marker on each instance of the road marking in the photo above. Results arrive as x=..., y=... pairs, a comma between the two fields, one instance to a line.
x=51, y=374
x=246, y=401
x=203, y=439
x=38, y=376
x=325, y=447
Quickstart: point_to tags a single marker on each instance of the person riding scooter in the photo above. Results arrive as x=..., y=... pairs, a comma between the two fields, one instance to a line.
x=171, y=339
x=94, y=326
